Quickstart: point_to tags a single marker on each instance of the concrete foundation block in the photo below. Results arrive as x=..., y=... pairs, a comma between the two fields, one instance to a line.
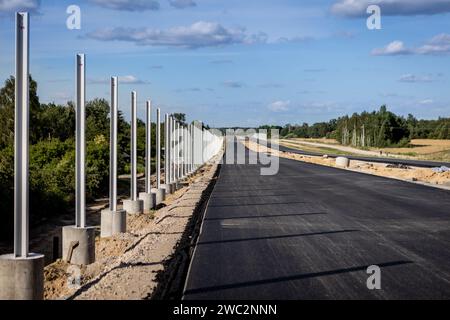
x=169, y=187
x=159, y=195
x=84, y=252
x=113, y=222
x=133, y=206
x=147, y=200
x=342, y=162
x=22, y=278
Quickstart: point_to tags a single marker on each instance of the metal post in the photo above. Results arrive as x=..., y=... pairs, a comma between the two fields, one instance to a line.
x=182, y=151
x=80, y=151
x=21, y=135
x=191, y=143
x=190, y=148
x=148, y=149
x=172, y=150
x=186, y=153
x=166, y=149
x=133, y=146
x=158, y=148
x=185, y=150
x=169, y=146
x=178, y=150
x=113, y=145
x=186, y=145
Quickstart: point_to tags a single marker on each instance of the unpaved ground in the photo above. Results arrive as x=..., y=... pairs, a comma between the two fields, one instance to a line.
x=427, y=149
x=423, y=175
x=420, y=149
x=134, y=264
x=350, y=150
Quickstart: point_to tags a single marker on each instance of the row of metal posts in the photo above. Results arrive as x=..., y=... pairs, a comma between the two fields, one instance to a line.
x=185, y=150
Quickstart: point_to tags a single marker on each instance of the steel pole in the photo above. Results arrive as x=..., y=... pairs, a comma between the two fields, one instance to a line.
x=172, y=150
x=169, y=149
x=158, y=148
x=21, y=136
x=185, y=151
x=113, y=145
x=133, y=146
x=80, y=150
x=189, y=148
x=178, y=149
x=166, y=149
x=148, y=149
x=191, y=143
x=182, y=151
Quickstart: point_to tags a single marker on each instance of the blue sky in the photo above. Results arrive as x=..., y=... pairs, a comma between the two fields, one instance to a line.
x=233, y=62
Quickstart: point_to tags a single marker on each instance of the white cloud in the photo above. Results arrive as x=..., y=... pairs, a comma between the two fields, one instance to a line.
x=182, y=4
x=411, y=78
x=426, y=102
x=233, y=84
x=296, y=39
x=128, y=79
x=357, y=8
x=199, y=34
x=392, y=49
x=131, y=80
x=438, y=45
x=279, y=106
x=19, y=5
x=128, y=5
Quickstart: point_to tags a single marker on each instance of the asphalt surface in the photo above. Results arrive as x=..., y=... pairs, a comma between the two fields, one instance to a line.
x=311, y=231
x=415, y=163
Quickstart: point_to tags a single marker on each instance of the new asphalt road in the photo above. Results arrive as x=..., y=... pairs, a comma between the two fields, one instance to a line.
x=310, y=232
x=415, y=163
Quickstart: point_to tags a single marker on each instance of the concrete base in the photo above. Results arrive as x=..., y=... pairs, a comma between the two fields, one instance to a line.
x=159, y=195
x=342, y=162
x=22, y=278
x=148, y=203
x=169, y=187
x=113, y=222
x=176, y=186
x=133, y=206
x=84, y=252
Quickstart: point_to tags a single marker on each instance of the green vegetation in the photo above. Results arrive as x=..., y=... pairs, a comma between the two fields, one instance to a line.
x=52, y=154
x=376, y=129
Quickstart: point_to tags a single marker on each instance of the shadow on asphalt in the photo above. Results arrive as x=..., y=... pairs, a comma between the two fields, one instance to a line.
x=267, y=216
x=293, y=277
x=255, y=204
x=277, y=237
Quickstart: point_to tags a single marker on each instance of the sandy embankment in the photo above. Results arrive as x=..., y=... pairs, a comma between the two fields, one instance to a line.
x=422, y=175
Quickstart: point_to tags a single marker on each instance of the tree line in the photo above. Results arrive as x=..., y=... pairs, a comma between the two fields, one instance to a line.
x=380, y=128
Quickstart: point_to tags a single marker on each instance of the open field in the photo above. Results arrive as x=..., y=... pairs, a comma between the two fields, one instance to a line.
x=425, y=149
x=420, y=149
